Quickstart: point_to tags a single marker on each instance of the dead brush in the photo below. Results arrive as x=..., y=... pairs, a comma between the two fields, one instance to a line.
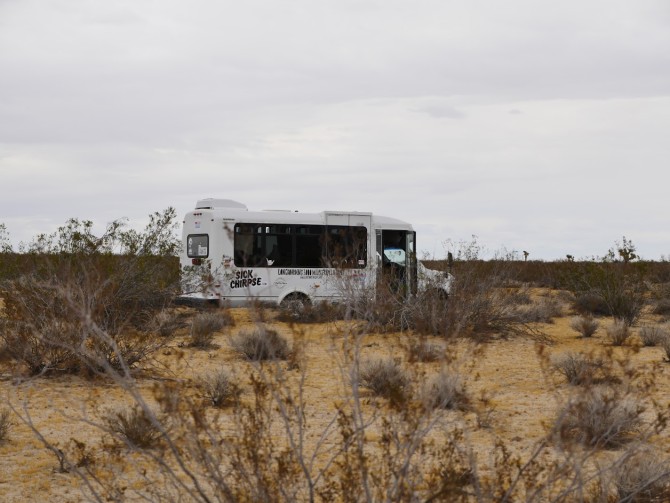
x=5, y=424
x=220, y=389
x=618, y=332
x=386, y=378
x=166, y=322
x=134, y=426
x=205, y=325
x=642, y=477
x=420, y=349
x=600, y=416
x=261, y=343
x=585, y=325
x=579, y=369
x=653, y=335
x=446, y=390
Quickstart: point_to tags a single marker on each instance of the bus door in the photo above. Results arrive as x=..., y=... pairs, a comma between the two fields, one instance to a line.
x=397, y=267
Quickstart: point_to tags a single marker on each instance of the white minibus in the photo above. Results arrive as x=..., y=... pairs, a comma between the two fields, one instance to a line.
x=232, y=255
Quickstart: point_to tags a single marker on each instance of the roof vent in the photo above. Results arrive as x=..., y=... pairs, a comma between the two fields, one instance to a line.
x=211, y=203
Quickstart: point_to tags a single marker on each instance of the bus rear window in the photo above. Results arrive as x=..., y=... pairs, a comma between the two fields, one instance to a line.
x=197, y=245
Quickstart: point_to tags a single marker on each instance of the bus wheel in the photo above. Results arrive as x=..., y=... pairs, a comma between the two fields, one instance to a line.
x=295, y=304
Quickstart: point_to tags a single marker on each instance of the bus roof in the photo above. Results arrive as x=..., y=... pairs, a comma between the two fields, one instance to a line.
x=227, y=209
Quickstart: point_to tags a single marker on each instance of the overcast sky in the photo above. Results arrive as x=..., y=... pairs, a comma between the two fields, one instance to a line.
x=535, y=125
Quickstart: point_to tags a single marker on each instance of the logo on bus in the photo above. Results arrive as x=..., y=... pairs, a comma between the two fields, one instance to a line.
x=245, y=279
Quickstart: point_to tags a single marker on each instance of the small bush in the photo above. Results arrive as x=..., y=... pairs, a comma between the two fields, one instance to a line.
x=653, y=335
x=577, y=368
x=386, y=378
x=618, y=332
x=4, y=424
x=220, y=389
x=541, y=311
x=166, y=322
x=601, y=416
x=262, y=343
x=205, y=325
x=643, y=477
x=134, y=427
x=420, y=350
x=585, y=325
x=591, y=303
x=446, y=391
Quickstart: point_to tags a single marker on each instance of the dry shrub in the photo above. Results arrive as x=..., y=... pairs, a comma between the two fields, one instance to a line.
x=166, y=322
x=543, y=310
x=642, y=477
x=386, y=378
x=585, y=325
x=262, y=343
x=446, y=390
x=653, y=335
x=220, y=389
x=419, y=349
x=77, y=299
x=618, y=332
x=205, y=325
x=4, y=424
x=135, y=427
x=311, y=312
x=600, y=416
x=579, y=369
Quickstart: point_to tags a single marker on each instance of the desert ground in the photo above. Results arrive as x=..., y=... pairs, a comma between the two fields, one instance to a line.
x=514, y=392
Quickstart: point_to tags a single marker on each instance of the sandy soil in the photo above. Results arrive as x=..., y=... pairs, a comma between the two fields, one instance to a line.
x=520, y=394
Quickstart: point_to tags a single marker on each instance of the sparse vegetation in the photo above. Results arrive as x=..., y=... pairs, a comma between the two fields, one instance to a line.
x=618, y=332
x=600, y=416
x=205, y=325
x=4, y=424
x=386, y=378
x=136, y=427
x=579, y=369
x=653, y=335
x=220, y=389
x=303, y=426
x=446, y=390
x=260, y=344
x=584, y=325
